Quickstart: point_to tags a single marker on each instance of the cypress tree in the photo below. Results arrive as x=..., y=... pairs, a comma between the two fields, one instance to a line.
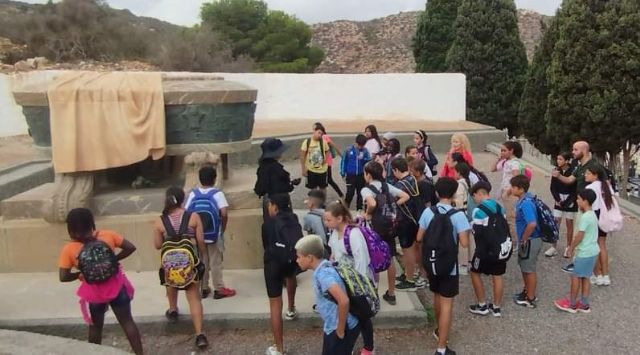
x=488, y=50
x=434, y=35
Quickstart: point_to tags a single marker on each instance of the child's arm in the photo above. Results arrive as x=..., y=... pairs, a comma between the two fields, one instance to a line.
x=303, y=158
x=402, y=198
x=575, y=242
x=196, y=222
x=157, y=234
x=420, y=235
x=343, y=164
x=67, y=276
x=224, y=216
x=342, y=300
x=370, y=203
x=127, y=248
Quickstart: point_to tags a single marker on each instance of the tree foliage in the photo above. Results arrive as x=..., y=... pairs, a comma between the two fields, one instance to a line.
x=488, y=50
x=434, y=35
x=275, y=40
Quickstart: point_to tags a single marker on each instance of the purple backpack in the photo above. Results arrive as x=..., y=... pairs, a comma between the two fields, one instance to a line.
x=379, y=252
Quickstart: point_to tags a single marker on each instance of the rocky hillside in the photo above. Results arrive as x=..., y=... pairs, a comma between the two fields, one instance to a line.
x=384, y=45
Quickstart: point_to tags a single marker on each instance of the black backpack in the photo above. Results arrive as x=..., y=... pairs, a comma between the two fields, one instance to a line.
x=440, y=251
x=287, y=233
x=97, y=262
x=495, y=236
x=412, y=210
x=385, y=216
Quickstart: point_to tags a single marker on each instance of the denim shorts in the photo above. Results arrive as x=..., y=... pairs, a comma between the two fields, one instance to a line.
x=122, y=299
x=583, y=267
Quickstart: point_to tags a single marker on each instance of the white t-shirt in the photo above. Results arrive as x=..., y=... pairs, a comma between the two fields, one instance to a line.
x=372, y=146
x=220, y=200
x=596, y=186
x=366, y=192
x=360, y=253
x=507, y=167
x=473, y=178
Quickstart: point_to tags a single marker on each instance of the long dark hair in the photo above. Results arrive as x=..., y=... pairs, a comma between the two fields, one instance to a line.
x=464, y=170
x=319, y=126
x=605, y=187
x=459, y=159
x=423, y=135
x=515, y=147
x=80, y=224
x=174, y=197
x=374, y=133
x=393, y=146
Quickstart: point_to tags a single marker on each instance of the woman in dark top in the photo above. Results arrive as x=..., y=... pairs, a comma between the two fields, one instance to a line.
x=565, y=206
x=272, y=178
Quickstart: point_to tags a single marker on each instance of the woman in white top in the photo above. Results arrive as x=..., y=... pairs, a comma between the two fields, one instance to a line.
x=373, y=144
x=597, y=177
x=336, y=218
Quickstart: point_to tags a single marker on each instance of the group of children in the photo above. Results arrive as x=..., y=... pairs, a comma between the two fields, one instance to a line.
x=396, y=198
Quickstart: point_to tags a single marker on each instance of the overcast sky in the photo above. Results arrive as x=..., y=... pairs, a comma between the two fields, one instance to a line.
x=186, y=12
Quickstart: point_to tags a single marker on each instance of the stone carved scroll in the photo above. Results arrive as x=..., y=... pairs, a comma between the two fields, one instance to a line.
x=71, y=191
x=193, y=163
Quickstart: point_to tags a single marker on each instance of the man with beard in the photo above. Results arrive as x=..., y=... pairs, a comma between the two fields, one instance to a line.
x=582, y=154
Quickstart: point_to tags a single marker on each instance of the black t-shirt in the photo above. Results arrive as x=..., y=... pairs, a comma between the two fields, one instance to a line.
x=580, y=170
x=427, y=193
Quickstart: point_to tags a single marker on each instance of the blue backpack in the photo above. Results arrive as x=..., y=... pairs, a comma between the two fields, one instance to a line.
x=206, y=207
x=546, y=222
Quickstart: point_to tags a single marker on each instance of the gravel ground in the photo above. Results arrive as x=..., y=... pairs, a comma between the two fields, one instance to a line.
x=612, y=326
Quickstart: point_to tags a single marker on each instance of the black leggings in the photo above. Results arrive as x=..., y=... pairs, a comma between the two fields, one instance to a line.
x=332, y=183
x=355, y=183
x=121, y=307
x=366, y=327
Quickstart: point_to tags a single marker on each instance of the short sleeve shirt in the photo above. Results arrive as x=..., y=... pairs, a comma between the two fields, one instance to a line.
x=69, y=254
x=588, y=247
x=526, y=213
x=324, y=277
x=219, y=197
x=366, y=192
x=579, y=172
x=507, y=168
x=316, y=160
x=459, y=221
x=312, y=223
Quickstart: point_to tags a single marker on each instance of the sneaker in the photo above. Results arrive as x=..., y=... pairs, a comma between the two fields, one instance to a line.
x=291, y=314
x=224, y=293
x=406, y=286
x=606, y=280
x=495, y=310
x=400, y=278
x=420, y=282
x=551, y=252
x=478, y=309
x=566, y=253
x=447, y=351
x=366, y=352
x=205, y=293
x=201, y=341
x=315, y=308
x=464, y=270
x=593, y=279
x=600, y=280
x=583, y=308
x=523, y=300
x=565, y=305
x=390, y=299
x=522, y=294
x=172, y=316
x=568, y=268
x=272, y=350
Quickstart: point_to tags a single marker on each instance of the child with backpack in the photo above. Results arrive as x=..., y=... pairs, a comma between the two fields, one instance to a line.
x=211, y=205
x=425, y=185
x=352, y=170
x=442, y=228
x=408, y=225
x=529, y=239
x=179, y=236
x=381, y=210
x=461, y=200
x=280, y=233
x=334, y=152
x=410, y=153
x=584, y=247
x=349, y=246
x=313, y=221
x=341, y=328
x=425, y=152
x=510, y=166
x=102, y=280
x=493, y=249
x=271, y=176
x=313, y=160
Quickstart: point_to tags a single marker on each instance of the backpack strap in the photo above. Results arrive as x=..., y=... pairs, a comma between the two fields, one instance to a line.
x=346, y=239
x=168, y=228
x=184, y=224
x=487, y=211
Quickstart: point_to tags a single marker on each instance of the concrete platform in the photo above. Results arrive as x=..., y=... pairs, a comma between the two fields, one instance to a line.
x=39, y=302
x=25, y=343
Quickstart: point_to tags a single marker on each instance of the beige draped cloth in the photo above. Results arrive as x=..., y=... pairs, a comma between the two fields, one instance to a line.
x=105, y=120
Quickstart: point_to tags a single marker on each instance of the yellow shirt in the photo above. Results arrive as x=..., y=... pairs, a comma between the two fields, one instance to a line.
x=315, y=160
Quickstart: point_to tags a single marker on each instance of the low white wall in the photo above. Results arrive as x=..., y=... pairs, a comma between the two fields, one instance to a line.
x=12, y=120
x=366, y=97
x=430, y=97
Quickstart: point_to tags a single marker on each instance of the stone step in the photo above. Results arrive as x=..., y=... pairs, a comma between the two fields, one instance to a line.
x=22, y=177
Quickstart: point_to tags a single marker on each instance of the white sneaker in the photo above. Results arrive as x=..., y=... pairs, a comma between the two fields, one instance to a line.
x=593, y=279
x=551, y=252
x=600, y=280
x=606, y=280
x=272, y=350
x=464, y=270
x=291, y=314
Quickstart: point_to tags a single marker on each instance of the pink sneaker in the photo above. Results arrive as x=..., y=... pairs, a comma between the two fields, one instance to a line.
x=565, y=305
x=366, y=352
x=224, y=293
x=583, y=308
